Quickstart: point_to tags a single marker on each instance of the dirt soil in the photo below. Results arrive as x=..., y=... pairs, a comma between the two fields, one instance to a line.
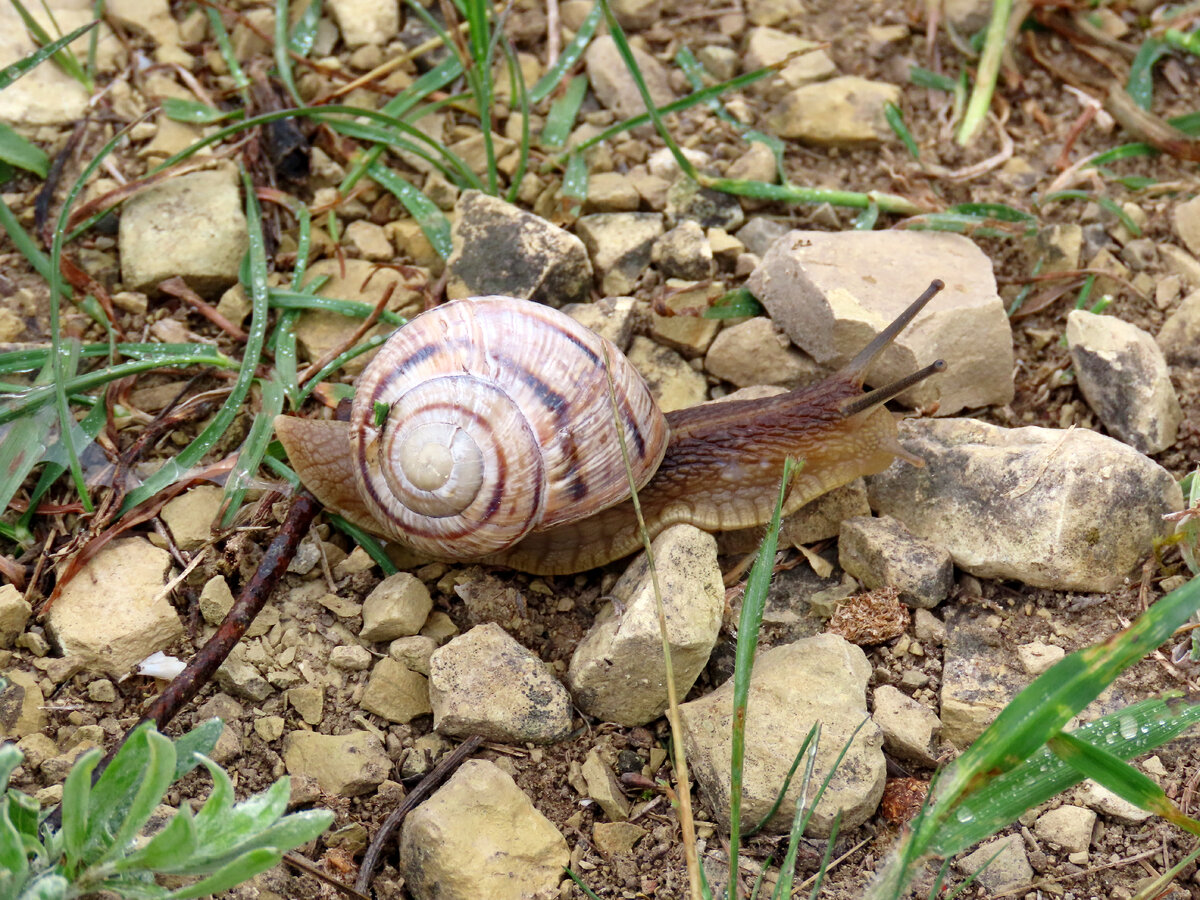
x=1050, y=128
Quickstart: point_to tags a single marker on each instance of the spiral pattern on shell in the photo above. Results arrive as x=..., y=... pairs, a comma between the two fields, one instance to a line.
x=488, y=418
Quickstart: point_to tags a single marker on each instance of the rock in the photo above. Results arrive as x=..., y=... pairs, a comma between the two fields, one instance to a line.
x=192, y=225
x=683, y=252
x=602, y=787
x=712, y=209
x=908, y=727
x=1179, y=338
x=619, y=245
x=14, y=614
x=1186, y=219
x=768, y=46
x=1059, y=246
x=843, y=111
x=366, y=21
x=101, y=690
x=1009, y=870
x=821, y=678
x=832, y=292
x=611, y=192
x=192, y=514
x=1067, y=510
x=398, y=606
x=240, y=679
x=881, y=552
x=756, y=164
x=612, y=318
x=453, y=847
x=151, y=17
x=979, y=676
x=758, y=352
x=720, y=62
x=320, y=332
x=616, y=838
x=229, y=711
x=369, y=239
x=1068, y=826
x=674, y=384
x=614, y=86
x=1124, y=378
x=1180, y=262
x=350, y=658
x=21, y=705
x=46, y=94
x=500, y=249
x=1105, y=802
x=308, y=702
x=396, y=693
x=636, y=15
x=413, y=652
x=725, y=247
x=113, y=613
x=346, y=765
x=772, y=12
x=760, y=233
x=686, y=329
x=216, y=599
x=1037, y=657
x=617, y=671
x=486, y=683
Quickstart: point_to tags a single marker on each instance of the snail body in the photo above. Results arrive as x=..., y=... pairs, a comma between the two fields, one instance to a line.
x=483, y=395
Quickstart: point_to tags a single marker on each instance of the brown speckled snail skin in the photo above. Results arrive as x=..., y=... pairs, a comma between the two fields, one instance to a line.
x=483, y=430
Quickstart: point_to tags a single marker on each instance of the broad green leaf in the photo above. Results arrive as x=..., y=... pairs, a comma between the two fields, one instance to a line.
x=49, y=887
x=735, y=304
x=156, y=777
x=173, y=846
x=114, y=791
x=200, y=740
x=10, y=756
x=241, y=869
x=76, y=803
x=14, y=867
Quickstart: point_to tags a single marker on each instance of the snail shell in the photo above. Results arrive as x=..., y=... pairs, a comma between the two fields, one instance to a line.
x=483, y=420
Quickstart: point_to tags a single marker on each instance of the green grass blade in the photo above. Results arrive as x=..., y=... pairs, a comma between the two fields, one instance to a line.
x=63, y=57
x=11, y=73
x=575, y=180
x=867, y=219
x=17, y=151
x=426, y=213
x=368, y=542
x=173, y=469
x=196, y=113
x=304, y=34
x=521, y=91
x=895, y=120
x=225, y=47
x=283, y=62
x=1121, y=778
x=1000, y=211
x=1140, y=85
x=22, y=447
x=754, y=601
x=933, y=80
x=570, y=55
x=253, y=449
x=1186, y=41
x=281, y=298
x=337, y=362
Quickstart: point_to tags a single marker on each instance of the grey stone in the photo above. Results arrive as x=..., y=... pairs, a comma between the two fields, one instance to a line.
x=822, y=678
x=1124, y=377
x=832, y=292
x=485, y=683
x=1068, y=826
x=396, y=693
x=500, y=249
x=880, y=552
x=1067, y=510
x=843, y=111
x=619, y=245
x=192, y=226
x=343, y=764
x=758, y=352
x=683, y=252
x=397, y=606
x=1009, y=870
x=711, y=208
x=614, y=86
x=617, y=672
x=1179, y=338
x=979, y=676
x=908, y=727
x=14, y=614
x=453, y=847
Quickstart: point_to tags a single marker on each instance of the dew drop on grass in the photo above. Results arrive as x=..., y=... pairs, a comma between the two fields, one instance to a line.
x=1129, y=727
x=964, y=815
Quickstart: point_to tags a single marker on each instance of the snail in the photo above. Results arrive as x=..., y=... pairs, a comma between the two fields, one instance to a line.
x=484, y=430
